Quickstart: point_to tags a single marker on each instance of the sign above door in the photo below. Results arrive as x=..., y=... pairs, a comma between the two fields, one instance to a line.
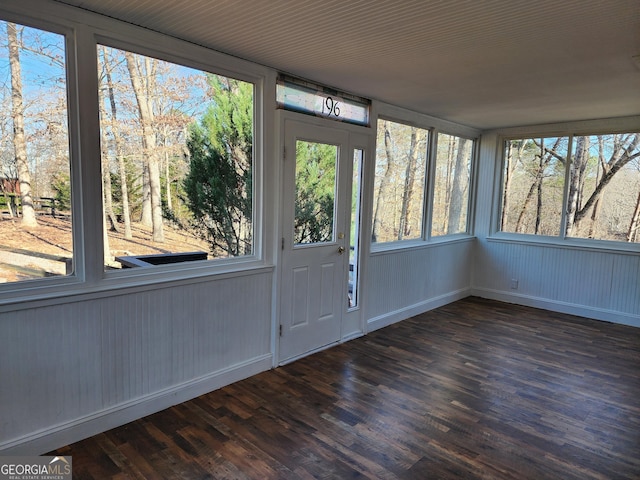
x=305, y=97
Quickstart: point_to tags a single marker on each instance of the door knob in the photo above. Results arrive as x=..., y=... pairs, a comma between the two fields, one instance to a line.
x=340, y=250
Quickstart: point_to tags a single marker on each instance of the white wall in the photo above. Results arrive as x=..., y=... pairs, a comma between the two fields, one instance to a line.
x=584, y=278
x=402, y=283
x=79, y=367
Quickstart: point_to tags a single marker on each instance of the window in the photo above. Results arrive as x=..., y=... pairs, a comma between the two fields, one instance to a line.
x=398, y=203
x=35, y=187
x=534, y=173
x=354, y=233
x=177, y=160
x=402, y=163
x=451, y=185
x=604, y=188
x=593, y=193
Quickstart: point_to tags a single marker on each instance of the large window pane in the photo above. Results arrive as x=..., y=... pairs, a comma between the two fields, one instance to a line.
x=451, y=185
x=177, y=156
x=399, y=182
x=604, y=187
x=35, y=187
x=534, y=175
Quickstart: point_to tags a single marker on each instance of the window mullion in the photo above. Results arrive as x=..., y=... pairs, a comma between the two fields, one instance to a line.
x=429, y=183
x=89, y=189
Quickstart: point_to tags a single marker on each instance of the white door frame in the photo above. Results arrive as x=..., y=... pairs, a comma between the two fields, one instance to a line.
x=354, y=137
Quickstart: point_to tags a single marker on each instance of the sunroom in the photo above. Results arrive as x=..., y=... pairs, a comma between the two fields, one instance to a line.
x=196, y=193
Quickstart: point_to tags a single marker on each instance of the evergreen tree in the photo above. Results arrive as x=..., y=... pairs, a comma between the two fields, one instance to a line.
x=315, y=187
x=218, y=185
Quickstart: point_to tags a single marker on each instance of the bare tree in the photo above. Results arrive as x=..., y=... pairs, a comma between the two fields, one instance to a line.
x=17, y=114
x=625, y=148
x=544, y=158
x=384, y=182
x=460, y=184
x=404, y=229
x=514, y=156
x=117, y=140
x=142, y=83
x=634, y=227
x=107, y=196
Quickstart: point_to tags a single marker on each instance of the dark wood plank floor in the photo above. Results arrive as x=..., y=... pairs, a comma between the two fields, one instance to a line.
x=477, y=389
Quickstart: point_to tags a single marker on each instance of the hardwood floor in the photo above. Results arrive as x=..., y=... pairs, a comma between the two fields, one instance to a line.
x=477, y=389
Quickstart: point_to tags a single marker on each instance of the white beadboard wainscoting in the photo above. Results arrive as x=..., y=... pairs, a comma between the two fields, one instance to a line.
x=575, y=276
x=405, y=282
x=598, y=284
x=74, y=369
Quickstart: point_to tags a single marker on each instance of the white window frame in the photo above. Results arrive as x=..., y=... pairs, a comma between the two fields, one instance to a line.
x=471, y=196
x=570, y=130
x=434, y=126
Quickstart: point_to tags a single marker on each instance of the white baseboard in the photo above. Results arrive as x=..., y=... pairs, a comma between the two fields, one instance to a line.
x=559, y=306
x=390, y=318
x=63, y=434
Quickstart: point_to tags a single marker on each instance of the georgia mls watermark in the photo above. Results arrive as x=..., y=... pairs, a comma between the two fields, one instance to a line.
x=35, y=468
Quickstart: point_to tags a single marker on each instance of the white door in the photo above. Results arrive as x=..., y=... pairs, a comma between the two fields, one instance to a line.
x=315, y=252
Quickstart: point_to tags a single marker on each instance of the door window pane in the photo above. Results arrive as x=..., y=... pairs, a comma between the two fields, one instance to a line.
x=35, y=183
x=315, y=192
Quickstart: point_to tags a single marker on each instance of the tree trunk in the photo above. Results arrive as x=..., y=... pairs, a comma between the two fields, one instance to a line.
x=539, y=205
x=107, y=197
x=512, y=161
x=384, y=182
x=634, y=226
x=115, y=129
x=19, y=144
x=595, y=214
x=144, y=101
x=145, y=215
x=404, y=229
x=460, y=182
x=546, y=155
x=621, y=157
x=167, y=176
x=578, y=166
x=447, y=183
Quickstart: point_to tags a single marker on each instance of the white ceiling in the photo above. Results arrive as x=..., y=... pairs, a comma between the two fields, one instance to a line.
x=482, y=63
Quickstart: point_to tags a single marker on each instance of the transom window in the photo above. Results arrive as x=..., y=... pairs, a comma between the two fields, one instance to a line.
x=305, y=97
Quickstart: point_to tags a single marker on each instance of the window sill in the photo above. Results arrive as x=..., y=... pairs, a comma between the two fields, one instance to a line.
x=390, y=247
x=26, y=295
x=567, y=243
